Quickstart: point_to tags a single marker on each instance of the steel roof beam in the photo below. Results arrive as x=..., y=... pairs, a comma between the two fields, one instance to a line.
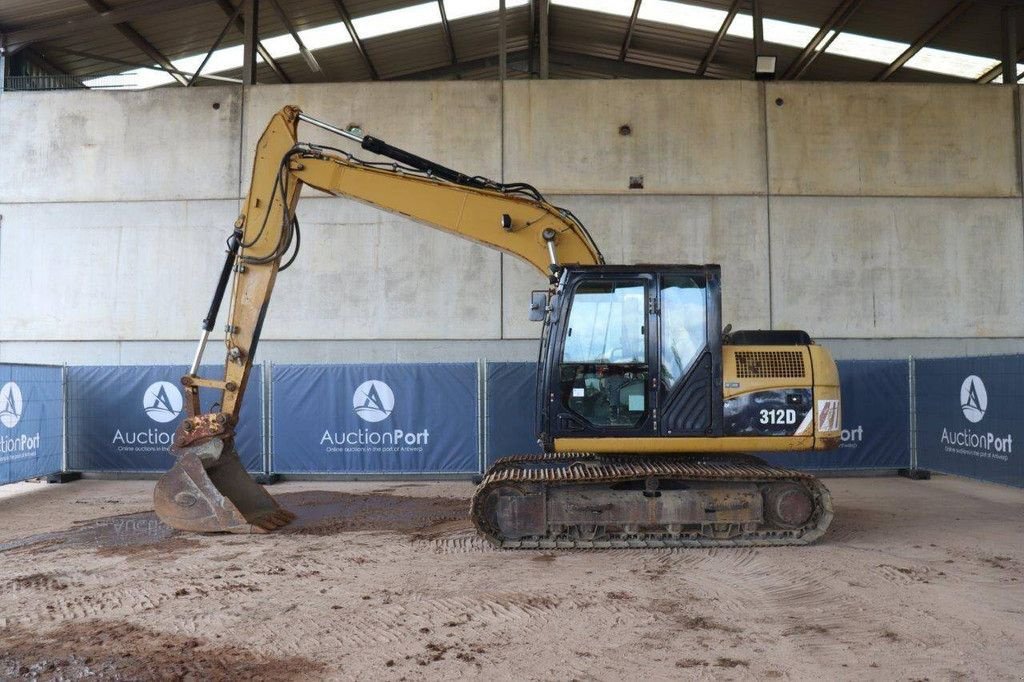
x=19, y=38
x=996, y=70
x=136, y=39
x=629, y=31
x=717, y=41
x=136, y=65
x=446, y=27
x=835, y=24
x=1008, y=21
x=542, y=38
x=306, y=53
x=229, y=10
x=925, y=38
x=213, y=48
x=502, y=42
x=347, y=18
x=250, y=39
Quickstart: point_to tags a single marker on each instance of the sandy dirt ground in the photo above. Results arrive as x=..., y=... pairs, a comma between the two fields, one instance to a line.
x=915, y=580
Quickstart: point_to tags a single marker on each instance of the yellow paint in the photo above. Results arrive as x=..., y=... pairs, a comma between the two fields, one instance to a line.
x=754, y=384
x=665, y=445
x=473, y=214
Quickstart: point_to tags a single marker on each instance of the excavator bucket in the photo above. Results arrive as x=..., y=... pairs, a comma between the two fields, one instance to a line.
x=218, y=497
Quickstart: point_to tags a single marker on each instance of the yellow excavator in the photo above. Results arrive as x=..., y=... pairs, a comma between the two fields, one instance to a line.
x=645, y=404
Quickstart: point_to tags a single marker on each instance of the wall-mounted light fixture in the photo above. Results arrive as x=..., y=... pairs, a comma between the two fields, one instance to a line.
x=764, y=67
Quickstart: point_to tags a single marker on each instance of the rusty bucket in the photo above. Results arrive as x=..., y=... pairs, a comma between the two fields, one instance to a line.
x=209, y=491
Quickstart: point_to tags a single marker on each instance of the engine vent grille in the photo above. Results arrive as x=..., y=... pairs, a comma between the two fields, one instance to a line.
x=774, y=364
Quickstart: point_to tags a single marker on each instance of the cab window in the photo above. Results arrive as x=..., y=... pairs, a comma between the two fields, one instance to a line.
x=683, y=326
x=604, y=358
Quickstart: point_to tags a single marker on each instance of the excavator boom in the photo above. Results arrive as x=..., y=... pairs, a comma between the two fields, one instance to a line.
x=207, y=489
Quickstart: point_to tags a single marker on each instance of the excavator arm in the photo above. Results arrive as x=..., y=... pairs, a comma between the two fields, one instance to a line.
x=208, y=489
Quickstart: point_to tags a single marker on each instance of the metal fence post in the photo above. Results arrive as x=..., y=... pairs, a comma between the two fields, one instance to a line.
x=64, y=418
x=913, y=412
x=481, y=374
x=265, y=413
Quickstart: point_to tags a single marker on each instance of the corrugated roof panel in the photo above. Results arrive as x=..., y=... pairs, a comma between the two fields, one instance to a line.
x=900, y=20
x=362, y=8
x=592, y=49
x=340, y=63
x=186, y=32
x=569, y=23
x=671, y=40
x=408, y=51
x=109, y=43
x=16, y=14
x=476, y=37
x=977, y=31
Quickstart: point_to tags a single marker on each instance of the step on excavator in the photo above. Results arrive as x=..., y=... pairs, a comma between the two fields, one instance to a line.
x=646, y=406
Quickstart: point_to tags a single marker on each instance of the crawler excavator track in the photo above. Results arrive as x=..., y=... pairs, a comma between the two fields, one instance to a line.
x=567, y=500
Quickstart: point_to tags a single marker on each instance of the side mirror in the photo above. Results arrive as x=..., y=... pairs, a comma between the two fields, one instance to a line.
x=538, y=305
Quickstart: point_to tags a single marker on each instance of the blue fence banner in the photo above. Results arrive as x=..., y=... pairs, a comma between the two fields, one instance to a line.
x=123, y=418
x=876, y=405
x=876, y=420
x=31, y=421
x=969, y=417
x=511, y=406
x=375, y=418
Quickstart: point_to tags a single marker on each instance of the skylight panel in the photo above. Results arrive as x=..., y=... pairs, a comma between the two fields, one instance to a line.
x=621, y=8
x=866, y=48
x=325, y=36
x=460, y=9
x=679, y=14
x=393, y=21
x=951, y=63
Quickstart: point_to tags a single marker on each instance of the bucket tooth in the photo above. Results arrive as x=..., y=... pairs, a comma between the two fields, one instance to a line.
x=220, y=499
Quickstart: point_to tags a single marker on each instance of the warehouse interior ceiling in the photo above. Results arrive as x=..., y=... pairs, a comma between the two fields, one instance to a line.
x=128, y=44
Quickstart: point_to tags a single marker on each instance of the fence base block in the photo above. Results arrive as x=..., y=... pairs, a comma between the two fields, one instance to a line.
x=915, y=474
x=64, y=477
x=267, y=479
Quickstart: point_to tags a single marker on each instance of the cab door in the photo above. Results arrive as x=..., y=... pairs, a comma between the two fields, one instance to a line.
x=689, y=346
x=604, y=385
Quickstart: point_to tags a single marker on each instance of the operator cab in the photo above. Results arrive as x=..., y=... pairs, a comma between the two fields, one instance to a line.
x=632, y=351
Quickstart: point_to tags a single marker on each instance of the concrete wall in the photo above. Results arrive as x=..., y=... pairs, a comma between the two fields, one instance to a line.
x=885, y=219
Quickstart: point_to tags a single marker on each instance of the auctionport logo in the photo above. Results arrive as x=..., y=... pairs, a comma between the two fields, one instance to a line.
x=162, y=401
x=974, y=404
x=973, y=399
x=14, y=447
x=10, y=405
x=373, y=401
